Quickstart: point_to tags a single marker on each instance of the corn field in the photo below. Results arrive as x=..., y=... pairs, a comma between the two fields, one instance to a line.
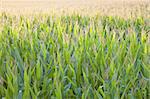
x=74, y=57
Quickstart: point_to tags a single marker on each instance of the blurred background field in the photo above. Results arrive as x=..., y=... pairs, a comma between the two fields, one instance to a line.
x=123, y=8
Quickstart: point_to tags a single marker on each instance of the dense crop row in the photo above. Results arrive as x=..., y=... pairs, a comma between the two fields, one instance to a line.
x=74, y=57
